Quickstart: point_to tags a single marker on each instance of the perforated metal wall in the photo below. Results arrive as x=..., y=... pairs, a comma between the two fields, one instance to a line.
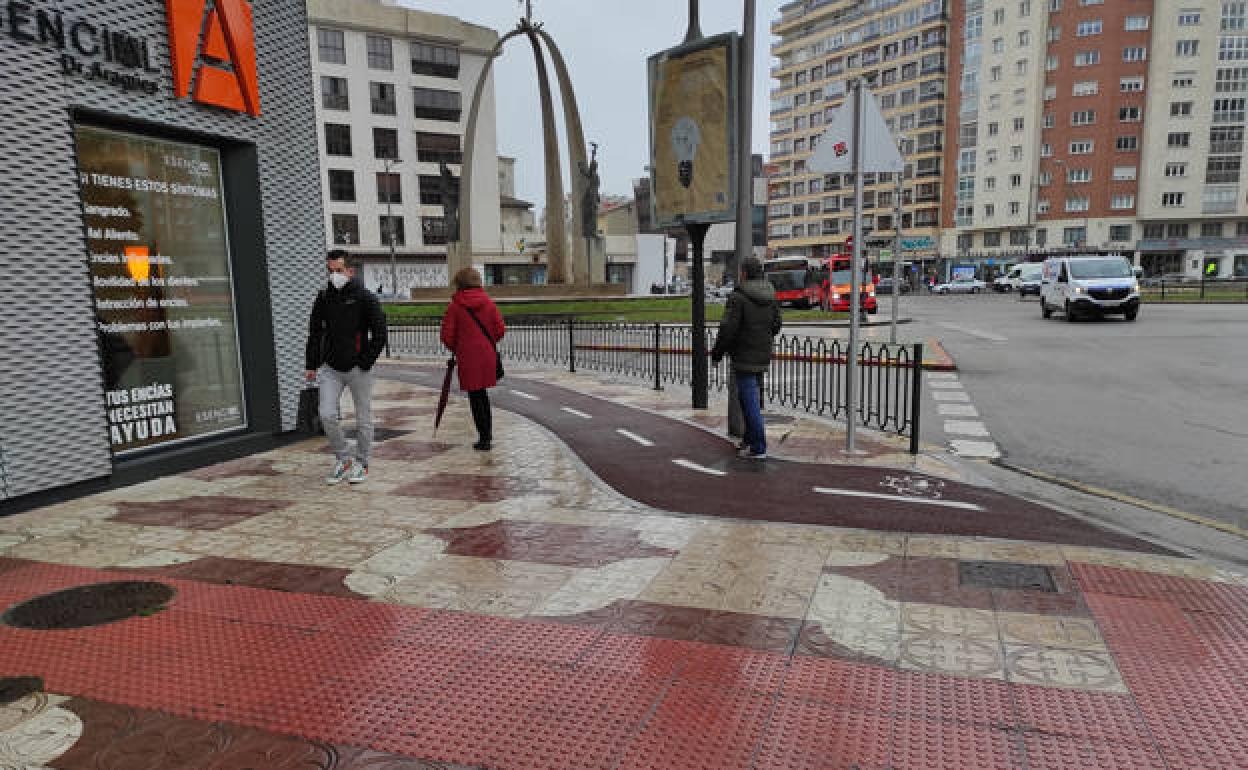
x=52, y=423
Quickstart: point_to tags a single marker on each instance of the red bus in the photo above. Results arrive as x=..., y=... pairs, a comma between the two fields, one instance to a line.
x=796, y=282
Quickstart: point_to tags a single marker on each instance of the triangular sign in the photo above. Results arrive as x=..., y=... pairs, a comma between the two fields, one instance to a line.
x=835, y=153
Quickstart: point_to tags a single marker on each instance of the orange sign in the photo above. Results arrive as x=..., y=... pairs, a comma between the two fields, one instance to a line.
x=222, y=60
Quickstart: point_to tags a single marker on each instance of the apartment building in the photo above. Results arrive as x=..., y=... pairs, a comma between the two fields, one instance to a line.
x=393, y=90
x=899, y=48
x=1193, y=208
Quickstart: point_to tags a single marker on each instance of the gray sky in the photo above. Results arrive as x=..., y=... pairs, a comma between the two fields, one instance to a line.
x=606, y=43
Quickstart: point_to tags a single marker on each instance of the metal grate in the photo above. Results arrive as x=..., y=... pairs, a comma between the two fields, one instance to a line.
x=1006, y=576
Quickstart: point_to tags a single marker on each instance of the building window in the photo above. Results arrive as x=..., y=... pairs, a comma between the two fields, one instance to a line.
x=992, y=239
x=966, y=241
x=1226, y=140
x=1120, y=233
x=1042, y=207
x=1016, y=152
x=1184, y=48
x=994, y=74
x=1083, y=118
x=389, y=188
x=1020, y=67
x=1172, y=199
x=1078, y=175
x=994, y=128
x=331, y=46
x=990, y=210
x=391, y=230
x=1124, y=173
x=1054, y=34
x=1018, y=237
x=1136, y=23
x=435, y=60
x=1154, y=231
x=1179, y=139
x=1189, y=19
x=1050, y=120
x=1016, y=181
x=1077, y=204
x=1086, y=88
x=435, y=104
x=381, y=98
x=1211, y=230
x=1122, y=201
x=1233, y=48
x=1042, y=236
x=1135, y=53
x=1050, y=63
x=1128, y=114
x=1183, y=81
x=342, y=186
x=1074, y=235
x=346, y=228
x=1228, y=110
x=1131, y=85
x=1087, y=28
x=1050, y=93
x=1015, y=208
x=337, y=139
x=1082, y=147
x=1176, y=169
x=1024, y=39
x=1176, y=230
x=1180, y=109
x=1241, y=228
x=1222, y=169
x=1018, y=124
x=386, y=143
x=1234, y=16
x=431, y=190
x=990, y=183
x=1231, y=80
x=433, y=230
x=334, y=95
x=380, y=53
x=1087, y=58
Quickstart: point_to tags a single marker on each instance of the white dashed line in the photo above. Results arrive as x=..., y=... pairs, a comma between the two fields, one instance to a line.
x=951, y=395
x=634, y=437
x=945, y=384
x=933, y=376
x=966, y=428
x=985, y=449
x=976, y=333
x=957, y=410
x=899, y=498
x=699, y=468
x=522, y=394
x=577, y=413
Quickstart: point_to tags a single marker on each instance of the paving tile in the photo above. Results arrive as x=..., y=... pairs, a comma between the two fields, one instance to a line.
x=805, y=735
x=699, y=727
x=950, y=698
x=1048, y=752
x=927, y=743
x=944, y=654
x=1053, y=667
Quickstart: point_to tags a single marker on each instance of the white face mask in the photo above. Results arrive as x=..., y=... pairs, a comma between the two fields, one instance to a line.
x=338, y=280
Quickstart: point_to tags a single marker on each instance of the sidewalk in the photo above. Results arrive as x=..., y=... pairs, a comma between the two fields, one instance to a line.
x=510, y=610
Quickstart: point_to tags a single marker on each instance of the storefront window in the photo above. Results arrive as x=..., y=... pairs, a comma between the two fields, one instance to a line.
x=164, y=295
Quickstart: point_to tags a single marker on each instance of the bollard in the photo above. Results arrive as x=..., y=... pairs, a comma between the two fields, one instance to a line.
x=658, y=356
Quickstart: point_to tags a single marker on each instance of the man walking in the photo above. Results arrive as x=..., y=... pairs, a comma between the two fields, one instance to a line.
x=346, y=334
x=751, y=320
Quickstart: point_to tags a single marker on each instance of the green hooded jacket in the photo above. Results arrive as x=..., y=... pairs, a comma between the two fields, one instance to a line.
x=751, y=320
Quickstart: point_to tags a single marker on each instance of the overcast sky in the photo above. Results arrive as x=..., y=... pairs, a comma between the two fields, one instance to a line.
x=606, y=43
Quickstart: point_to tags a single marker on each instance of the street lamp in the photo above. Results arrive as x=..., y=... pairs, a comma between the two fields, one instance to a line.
x=387, y=164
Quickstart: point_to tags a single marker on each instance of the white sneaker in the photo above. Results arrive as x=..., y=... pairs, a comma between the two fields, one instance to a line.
x=341, y=469
x=747, y=453
x=358, y=474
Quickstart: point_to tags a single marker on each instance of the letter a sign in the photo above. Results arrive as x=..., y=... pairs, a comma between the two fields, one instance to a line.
x=217, y=53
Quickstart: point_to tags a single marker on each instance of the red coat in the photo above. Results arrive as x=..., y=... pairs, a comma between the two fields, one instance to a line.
x=463, y=337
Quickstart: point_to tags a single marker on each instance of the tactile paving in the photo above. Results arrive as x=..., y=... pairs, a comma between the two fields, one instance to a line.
x=1048, y=752
x=700, y=727
x=806, y=735
x=941, y=745
x=959, y=699
x=1092, y=715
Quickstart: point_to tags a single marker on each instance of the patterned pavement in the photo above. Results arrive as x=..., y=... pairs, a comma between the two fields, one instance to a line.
x=509, y=610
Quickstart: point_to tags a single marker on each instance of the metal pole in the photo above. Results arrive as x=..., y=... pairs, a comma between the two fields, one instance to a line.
x=697, y=235
x=658, y=356
x=892, y=336
x=745, y=144
x=571, y=346
x=394, y=262
x=695, y=29
x=851, y=357
x=916, y=397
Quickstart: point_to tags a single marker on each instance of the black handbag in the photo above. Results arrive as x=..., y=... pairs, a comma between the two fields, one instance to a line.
x=498, y=358
x=309, y=419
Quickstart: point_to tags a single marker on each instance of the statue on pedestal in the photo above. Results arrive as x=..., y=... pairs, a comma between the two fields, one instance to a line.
x=592, y=199
x=449, y=188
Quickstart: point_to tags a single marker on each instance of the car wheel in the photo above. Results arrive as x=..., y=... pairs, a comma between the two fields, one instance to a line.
x=1070, y=317
x=1045, y=310
x=1131, y=314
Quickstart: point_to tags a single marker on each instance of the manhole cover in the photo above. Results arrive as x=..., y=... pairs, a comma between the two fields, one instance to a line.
x=1011, y=577
x=92, y=605
x=14, y=689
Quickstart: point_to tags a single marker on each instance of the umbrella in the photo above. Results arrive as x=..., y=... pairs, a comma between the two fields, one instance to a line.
x=445, y=395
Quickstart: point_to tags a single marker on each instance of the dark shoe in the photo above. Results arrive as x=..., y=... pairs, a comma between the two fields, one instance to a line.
x=482, y=446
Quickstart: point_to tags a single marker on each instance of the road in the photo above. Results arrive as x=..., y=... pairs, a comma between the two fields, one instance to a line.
x=1156, y=409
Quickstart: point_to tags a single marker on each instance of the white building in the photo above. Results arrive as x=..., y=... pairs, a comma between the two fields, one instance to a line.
x=394, y=87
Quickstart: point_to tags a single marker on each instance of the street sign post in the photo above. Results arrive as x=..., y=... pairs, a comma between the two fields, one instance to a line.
x=856, y=141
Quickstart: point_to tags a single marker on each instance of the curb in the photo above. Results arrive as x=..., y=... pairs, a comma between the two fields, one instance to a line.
x=1119, y=497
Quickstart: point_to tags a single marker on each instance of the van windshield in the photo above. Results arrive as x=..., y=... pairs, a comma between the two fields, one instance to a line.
x=1099, y=268
x=1031, y=272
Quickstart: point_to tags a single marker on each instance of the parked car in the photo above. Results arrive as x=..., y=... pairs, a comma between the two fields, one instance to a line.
x=961, y=286
x=1029, y=279
x=1089, y=286
x=1005, y=282
x=1168, y=279
x=885, y=286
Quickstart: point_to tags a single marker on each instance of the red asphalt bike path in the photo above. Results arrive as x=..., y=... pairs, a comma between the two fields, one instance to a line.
x=773, y=490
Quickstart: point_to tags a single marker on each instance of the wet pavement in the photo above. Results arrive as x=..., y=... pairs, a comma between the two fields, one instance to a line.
x=579, y=599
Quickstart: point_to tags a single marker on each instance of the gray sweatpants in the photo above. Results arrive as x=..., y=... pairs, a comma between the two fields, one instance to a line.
x=332, y=383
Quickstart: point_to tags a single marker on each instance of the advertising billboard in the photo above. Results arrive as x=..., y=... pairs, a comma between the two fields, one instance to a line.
x=693, y=118
x=159, y=262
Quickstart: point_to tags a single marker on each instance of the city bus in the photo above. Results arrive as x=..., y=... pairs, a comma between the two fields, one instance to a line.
x=796, y=282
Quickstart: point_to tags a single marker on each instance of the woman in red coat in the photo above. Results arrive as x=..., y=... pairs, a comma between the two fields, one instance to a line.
x=473, y=344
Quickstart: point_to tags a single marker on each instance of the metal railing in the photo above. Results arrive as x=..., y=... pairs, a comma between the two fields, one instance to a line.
x=807, y=373
x=1195, y=290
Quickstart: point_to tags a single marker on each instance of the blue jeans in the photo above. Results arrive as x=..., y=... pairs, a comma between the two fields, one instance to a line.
x=748, y=387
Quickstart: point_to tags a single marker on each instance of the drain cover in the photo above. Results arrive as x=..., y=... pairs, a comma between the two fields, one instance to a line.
x=92, y=605
x=1011, y=577
x=14, y=689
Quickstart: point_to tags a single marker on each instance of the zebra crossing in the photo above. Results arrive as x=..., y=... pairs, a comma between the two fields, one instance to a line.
x=966, y=435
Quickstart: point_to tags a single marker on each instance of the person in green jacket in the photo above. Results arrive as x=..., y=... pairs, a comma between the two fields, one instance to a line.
x=751, y=321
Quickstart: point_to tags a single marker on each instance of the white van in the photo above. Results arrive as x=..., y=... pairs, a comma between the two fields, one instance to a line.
x=1089, y=286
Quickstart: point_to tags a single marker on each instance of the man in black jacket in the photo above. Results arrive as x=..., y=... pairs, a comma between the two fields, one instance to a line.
x=751, y=320
x=346, y=334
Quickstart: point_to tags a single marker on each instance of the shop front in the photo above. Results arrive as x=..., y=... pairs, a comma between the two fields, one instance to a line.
x=164, y=240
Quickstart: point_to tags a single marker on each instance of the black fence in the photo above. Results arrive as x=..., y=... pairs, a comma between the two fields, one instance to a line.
x=1194, y=290
x=807, y=373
